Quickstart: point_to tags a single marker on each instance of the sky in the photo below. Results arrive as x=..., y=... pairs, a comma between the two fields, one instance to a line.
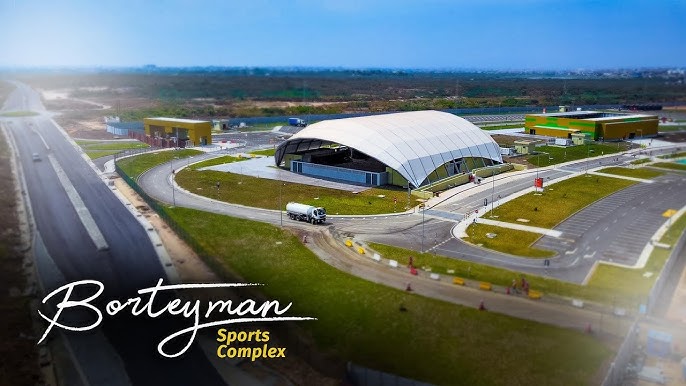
x=418, y=34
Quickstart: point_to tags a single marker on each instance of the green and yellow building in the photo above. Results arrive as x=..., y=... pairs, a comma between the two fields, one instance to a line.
x=190, y=131
x=594, y=124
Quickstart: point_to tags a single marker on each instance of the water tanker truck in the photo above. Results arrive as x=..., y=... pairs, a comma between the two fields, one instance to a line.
x=297, y=122
x=308, y=213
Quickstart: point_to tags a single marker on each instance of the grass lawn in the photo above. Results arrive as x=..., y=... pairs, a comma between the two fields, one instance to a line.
x=571, y=153
x=267, y=152
x=666, y=128
x=137, y=165
x=636, y=173
x=95, y=149
x=266, y=193
x=674, y=155
x=510, y=241
x=16, y=114
x=504, y=126
x=669, y=165
x=559, y=200
x=225, y=159
x=359, y=320
x=630, y=283
x=640, y=161
x=495, y=275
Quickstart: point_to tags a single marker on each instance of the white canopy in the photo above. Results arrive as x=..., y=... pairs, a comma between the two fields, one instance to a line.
x=413, y=143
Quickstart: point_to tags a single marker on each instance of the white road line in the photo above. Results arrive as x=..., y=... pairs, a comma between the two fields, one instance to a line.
x=590, y=255
x=81, y=210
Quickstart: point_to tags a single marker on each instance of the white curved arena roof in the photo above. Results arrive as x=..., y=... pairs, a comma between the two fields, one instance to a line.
x=413, y=143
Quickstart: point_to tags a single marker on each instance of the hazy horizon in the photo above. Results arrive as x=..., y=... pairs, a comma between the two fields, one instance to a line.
x=440, y=35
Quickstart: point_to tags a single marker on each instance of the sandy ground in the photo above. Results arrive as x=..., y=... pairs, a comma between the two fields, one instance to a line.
x=186, y=262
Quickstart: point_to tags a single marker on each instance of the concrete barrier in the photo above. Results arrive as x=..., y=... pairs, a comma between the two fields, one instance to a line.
x=485, y=286
x=393, y=263
x=435, y=276
x=376, y=257
x=578, y=303
x=458, y=281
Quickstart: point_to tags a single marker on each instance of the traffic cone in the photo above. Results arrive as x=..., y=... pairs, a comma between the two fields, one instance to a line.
x=508, y=290
x=589, y=330
x=408, y=288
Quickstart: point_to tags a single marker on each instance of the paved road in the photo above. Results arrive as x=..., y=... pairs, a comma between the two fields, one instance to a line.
x=432, y=231
x=128, y=264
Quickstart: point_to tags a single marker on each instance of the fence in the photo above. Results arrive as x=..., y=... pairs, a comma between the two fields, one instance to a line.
x=656, y=292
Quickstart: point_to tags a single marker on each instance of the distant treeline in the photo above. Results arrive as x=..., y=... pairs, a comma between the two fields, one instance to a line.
x=211, y=94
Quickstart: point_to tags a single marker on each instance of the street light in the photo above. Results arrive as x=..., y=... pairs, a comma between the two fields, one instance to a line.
x=171, y=167
x=423, y=210
x=492, y=189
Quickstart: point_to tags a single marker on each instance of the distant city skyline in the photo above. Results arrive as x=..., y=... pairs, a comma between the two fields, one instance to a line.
x=432, y=34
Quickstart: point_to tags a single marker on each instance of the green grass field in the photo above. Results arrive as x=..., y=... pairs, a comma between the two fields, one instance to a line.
x=267, y=152
x=636, y=173
x=559, y=201
x=18, y=114
x=640, y=161
x=135, y=166
x=503, y=126
x=565, y=154
x=360, y=321
x=669, y=165
x=510, y=241
x=266, y=193
x=674, y=155
x=97, y=149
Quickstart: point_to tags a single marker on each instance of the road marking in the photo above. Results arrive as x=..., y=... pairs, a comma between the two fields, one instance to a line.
x=606, y=228
x=590, y=255
x=571, y=252
x=81, y=210
x=597, y=237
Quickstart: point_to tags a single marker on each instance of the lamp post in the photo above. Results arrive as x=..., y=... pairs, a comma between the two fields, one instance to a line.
x=492, y=189
x=423, y=209
x=171, y=167
x=280, y=201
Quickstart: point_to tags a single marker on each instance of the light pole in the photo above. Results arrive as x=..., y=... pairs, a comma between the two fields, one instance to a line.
x=280, y=201
x=171, y=167
x=492, y=189
x=423, y=209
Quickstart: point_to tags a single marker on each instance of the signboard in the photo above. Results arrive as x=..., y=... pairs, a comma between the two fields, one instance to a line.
x=538, y=182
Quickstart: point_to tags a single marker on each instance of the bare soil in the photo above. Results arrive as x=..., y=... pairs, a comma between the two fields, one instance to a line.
x=18, y=350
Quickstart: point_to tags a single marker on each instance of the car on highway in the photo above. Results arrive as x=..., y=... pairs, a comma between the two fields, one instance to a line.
x=35, y=157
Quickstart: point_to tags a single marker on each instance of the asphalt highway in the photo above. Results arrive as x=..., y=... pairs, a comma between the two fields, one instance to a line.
x=127, y=264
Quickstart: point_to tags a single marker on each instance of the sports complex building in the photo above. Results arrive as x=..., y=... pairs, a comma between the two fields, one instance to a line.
x=419, y=148
x=594, y=124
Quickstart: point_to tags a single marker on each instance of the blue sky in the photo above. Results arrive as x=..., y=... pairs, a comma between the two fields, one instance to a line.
x=440, y=34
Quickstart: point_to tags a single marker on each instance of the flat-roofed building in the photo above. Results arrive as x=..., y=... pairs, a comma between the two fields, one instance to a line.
x=595, y=124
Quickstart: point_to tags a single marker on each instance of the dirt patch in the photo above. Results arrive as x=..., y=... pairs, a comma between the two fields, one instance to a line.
x=19, y=364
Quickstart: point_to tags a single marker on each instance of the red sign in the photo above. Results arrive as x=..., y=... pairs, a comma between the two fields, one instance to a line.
x=538, y=182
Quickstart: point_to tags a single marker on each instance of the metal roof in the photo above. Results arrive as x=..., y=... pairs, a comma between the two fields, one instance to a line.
x=179, y=120
x=413, y=143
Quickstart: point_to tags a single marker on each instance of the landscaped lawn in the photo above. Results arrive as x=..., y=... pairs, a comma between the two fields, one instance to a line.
x=636, y=173
x=137, y=165
x=360, y=321
x=559, y=200
x=97, y=149
x=266, y=193
x=669, y=165
x=561, y=154
x=510, y=241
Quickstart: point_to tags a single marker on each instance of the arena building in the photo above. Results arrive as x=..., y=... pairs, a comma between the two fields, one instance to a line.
x=596, y=125
x=420, y=147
